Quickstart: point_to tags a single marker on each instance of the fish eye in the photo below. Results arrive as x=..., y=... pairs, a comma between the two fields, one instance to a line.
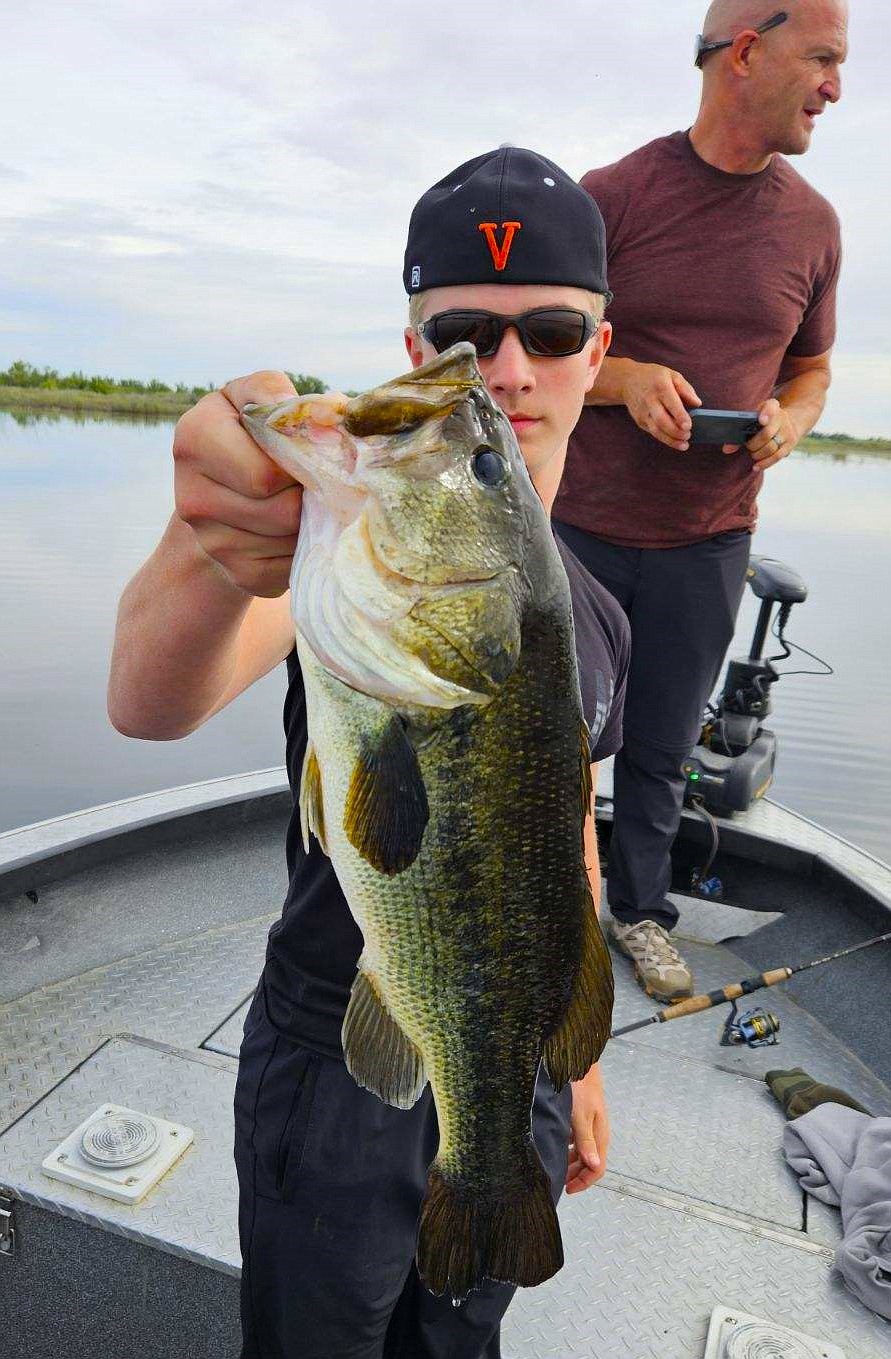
x=489, y=467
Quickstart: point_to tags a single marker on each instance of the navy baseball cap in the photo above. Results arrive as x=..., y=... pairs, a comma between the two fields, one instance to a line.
x=509, y=216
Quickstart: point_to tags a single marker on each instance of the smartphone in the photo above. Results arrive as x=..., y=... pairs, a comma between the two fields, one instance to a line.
x=722, y=427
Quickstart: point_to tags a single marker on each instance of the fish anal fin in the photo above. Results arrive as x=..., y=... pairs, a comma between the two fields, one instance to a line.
x=312, y=817
x=379, y=1056
x=386, y=810
x=580, y=1037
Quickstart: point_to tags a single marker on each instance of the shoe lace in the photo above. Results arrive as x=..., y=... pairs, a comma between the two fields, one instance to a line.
x=657, y=946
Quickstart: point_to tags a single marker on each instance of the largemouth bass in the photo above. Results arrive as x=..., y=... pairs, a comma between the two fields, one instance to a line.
x=447, y=776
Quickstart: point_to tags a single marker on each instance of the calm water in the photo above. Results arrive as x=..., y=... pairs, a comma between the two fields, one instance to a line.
x=84, y=504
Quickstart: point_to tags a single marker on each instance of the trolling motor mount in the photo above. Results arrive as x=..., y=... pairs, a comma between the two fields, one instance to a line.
x=732, y=766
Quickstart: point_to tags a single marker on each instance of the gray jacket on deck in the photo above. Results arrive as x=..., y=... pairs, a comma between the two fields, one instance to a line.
x=844, y=1158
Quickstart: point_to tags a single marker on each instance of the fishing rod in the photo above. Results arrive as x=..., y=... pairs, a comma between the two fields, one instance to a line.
x=730, y=994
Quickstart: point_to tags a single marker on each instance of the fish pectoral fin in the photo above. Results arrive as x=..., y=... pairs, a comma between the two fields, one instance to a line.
x=580, y=1037
x=312, y=817
x=379, y=1056
x=386, y=810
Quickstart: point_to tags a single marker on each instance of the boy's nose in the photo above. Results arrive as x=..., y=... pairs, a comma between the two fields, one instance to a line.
x=510, y=367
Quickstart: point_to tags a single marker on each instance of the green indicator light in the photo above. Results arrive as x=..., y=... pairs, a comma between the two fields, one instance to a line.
x=694, y=778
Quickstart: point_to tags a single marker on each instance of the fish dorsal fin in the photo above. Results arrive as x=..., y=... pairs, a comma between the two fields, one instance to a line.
x=417, y=396
x=379, y=1056
x=580, y=1037
x=312, y=817
x=386, y=809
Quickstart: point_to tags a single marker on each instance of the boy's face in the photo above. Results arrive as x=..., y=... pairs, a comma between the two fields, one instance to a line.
x=542, y=397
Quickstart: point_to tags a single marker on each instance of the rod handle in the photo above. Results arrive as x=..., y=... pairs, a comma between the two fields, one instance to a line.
x=708, y=999
x=691, y=1006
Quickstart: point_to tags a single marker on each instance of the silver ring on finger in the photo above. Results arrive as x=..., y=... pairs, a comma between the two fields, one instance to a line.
x=777, y=440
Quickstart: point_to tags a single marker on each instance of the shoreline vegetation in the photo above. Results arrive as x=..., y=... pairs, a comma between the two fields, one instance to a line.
x=23, y=387
x=31, y=394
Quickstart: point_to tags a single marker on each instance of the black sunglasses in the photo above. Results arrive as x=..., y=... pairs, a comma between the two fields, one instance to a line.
x=549, y=332
x=701, y=48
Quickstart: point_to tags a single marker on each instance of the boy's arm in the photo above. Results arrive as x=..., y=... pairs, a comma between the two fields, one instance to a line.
x=188, y=641
x=207, y=614
x=592, y=854
x=589, y=1118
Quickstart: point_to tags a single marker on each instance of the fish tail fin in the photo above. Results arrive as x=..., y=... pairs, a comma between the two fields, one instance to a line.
x=466, y=1237
x=580, y=1037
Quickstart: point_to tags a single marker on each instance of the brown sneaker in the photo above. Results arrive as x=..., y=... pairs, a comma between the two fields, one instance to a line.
x=658, y=966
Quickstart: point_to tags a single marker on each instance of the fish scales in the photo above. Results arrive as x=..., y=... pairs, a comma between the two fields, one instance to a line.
x=434, y=631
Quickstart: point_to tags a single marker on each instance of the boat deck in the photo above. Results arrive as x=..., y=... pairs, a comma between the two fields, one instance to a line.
x=697, y=1209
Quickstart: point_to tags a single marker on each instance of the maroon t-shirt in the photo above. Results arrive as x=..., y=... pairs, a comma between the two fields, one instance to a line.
x=718, y=276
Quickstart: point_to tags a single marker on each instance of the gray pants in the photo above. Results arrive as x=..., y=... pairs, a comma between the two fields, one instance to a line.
x=682, y=604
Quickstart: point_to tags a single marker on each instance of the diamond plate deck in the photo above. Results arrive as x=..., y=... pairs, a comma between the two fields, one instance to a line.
x=719, y=923
x=176, y=993
x=641, y=1279
x=823, y=1223
x=669, y=1110
x=227, y=1038
x=803, y=1040
x=192, y=1210
x=698, y=1205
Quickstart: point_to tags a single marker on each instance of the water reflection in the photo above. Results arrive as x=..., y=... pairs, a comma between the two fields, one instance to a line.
x=85, y=501
x=27, y=416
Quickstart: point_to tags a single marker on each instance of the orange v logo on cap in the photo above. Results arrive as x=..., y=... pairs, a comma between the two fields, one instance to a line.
x=498, y=252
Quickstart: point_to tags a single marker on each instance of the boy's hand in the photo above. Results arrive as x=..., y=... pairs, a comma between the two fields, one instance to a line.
x=243, y=509
x=590, y=1133
x=657, y=399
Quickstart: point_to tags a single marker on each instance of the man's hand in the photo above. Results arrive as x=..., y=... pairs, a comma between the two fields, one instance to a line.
x=657, y=399
x=590, y=1133
x=243, y=509
x=776, y=438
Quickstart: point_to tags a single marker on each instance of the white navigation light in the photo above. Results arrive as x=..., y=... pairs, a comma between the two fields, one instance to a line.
x=737, y=1335
x=120, y=1153
x=116, y=1140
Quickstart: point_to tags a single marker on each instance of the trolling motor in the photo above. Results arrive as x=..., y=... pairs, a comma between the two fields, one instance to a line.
x=733, y=763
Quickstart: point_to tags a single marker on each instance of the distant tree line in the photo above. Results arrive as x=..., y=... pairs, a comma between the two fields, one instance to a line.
x=872, y=443
x=22, y=374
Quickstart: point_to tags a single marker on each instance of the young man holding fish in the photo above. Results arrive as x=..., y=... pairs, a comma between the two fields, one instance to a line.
x=725, y=263
x=508, y=253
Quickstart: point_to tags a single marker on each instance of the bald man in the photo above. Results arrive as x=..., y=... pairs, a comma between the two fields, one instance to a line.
x=724, y=263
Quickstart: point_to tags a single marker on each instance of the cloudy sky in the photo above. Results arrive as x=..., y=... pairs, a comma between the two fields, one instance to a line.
x=195, y=190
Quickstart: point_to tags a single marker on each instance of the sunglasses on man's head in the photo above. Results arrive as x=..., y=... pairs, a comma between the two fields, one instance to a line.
x=547, y=332
x=701, y=48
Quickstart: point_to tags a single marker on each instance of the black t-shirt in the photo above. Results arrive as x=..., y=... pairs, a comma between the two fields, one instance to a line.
x=314, y=948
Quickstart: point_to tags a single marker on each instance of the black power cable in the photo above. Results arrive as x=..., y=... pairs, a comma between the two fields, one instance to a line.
x=779, y=624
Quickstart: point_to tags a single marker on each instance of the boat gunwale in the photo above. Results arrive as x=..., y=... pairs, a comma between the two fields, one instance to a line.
x=32, y=856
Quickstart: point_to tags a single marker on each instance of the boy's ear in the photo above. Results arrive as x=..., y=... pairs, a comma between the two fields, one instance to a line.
x=598, y=351
x=413, y=347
